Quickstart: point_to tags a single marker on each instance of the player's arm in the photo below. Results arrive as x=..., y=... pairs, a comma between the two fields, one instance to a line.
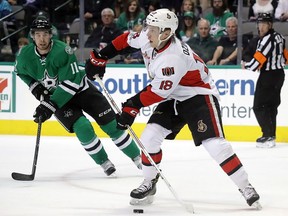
x=36, y=88
x=70, y=79
x=259, y=57
x=132, y=106
x=96, y=64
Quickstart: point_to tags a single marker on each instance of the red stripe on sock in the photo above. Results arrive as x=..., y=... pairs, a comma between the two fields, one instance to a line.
x=231, y=165
x=157, y=157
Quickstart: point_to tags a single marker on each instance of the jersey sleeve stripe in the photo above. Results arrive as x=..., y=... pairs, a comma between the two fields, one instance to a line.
x=120, y=42
x=148, y=97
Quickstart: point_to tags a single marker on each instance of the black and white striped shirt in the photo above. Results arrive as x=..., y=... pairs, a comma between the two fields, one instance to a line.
x=269, y=54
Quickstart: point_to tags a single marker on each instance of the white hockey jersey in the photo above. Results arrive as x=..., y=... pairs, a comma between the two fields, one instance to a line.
x=176, y=71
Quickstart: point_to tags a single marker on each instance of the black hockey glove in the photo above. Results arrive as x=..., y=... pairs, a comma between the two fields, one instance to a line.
x=95, y=65
x=37, y=89
x=44, y=111
x=128, y=115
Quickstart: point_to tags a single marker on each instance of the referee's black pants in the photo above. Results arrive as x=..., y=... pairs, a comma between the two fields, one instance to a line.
x=267, y=99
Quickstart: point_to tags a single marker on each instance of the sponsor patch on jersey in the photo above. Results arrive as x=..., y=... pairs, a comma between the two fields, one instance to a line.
x=168, y=71
x=69, y=50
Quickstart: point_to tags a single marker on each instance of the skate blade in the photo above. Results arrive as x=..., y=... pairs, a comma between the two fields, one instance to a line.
x=145, y=201
x=113, y=175
x=257, y=205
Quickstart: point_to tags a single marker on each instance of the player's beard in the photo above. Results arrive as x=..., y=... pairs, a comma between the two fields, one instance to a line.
x=43, y=47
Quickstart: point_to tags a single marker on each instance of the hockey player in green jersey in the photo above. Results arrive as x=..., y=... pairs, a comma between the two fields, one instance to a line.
x=49, y=67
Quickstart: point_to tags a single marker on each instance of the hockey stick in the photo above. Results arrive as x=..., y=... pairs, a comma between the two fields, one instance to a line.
x=189, y=208
x=27, y=177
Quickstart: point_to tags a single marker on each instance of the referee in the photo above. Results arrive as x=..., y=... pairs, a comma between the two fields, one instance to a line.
x=269, y=59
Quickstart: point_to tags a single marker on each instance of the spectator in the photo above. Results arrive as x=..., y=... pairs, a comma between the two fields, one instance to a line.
x=226, y=51
x=187, y=6
x=218, y=17
x=22, y=41
x=261, y=6
x=119, y=7
x=105, y=32
x=188, y=28
x=152, y=6
x=131, y=16
x=269, y=59
x=92, y=12
x=5, y=8
x=203, y=44
x=281, y=12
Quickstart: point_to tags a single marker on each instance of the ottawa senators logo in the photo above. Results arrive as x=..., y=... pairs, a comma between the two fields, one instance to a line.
x=202, y=127
x=168, y=71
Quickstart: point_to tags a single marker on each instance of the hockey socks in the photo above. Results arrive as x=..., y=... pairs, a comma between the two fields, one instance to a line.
x=121, y=139
x=86, y=135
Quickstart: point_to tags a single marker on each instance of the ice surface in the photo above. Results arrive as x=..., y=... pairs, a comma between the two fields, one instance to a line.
x=68, y=182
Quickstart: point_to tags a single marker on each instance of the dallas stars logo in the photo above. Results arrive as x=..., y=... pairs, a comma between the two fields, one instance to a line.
x=48, y=81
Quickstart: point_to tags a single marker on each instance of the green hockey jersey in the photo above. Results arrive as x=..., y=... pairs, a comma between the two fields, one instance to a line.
x=58, y=71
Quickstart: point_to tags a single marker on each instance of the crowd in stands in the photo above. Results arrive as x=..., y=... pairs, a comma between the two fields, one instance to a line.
x=209, y=27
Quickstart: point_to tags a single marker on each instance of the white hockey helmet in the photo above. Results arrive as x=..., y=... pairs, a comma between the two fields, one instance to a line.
x=163, y=18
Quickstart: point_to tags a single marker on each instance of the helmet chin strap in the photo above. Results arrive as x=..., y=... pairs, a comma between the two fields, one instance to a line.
x=161, y=41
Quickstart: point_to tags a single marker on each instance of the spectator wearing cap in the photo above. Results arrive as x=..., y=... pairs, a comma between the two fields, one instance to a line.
x=44, y=15
x=188, y=29
x=203, y=44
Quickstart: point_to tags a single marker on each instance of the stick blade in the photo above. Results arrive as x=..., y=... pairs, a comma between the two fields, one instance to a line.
x=22, y=177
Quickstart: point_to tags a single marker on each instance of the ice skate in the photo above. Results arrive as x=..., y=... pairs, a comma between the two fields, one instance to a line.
x=144, y=194
x=137, y=161
x=265, y=142
x=108, y=167
x=251, y=196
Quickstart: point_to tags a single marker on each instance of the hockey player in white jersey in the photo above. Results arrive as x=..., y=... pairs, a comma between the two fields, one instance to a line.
x=183, y=87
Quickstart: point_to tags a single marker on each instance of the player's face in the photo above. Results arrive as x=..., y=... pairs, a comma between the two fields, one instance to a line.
x=42, y=40
x=153, y=35
x=263, y=28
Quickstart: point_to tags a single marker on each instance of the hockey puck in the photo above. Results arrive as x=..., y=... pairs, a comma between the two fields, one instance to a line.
x=138, y=211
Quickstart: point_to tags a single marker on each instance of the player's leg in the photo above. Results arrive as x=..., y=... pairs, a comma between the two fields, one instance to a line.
x=206, y=126
x=152, y=138
x=123, y=141
x=99, y=108
x=160, y=126
x=73, y=120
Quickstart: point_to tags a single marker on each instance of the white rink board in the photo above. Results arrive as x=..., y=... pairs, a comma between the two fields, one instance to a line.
x=235, y=86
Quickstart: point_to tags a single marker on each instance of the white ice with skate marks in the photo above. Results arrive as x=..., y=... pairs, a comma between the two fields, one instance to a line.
x=67, y=181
